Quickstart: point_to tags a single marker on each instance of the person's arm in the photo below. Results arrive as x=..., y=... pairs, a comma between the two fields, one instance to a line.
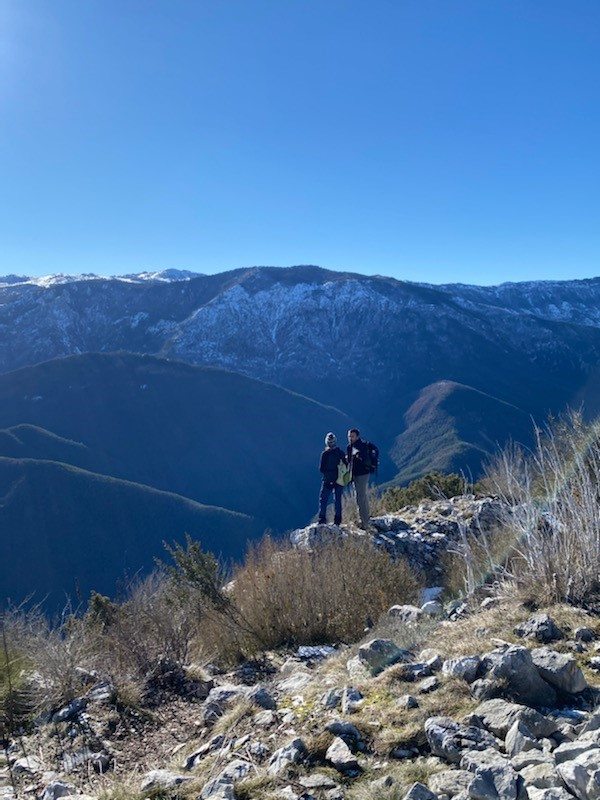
x=322, y=463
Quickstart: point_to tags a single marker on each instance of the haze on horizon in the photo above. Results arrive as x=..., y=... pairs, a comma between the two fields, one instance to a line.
x=429, y=141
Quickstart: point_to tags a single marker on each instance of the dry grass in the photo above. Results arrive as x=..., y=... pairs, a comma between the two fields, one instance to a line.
x=404, y=774
x=553, y=511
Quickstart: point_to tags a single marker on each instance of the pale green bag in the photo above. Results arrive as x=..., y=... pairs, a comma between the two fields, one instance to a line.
x=344, y=474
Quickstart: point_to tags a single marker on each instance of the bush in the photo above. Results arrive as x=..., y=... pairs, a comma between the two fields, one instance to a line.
x=290, y=596
x=149, y=634
x=433, y=486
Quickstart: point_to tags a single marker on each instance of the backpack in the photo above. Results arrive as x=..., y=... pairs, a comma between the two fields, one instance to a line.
x=372, y=461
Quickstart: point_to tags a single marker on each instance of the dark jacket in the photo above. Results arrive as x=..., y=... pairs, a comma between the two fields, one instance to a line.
x=330, y=458
x=360, y=464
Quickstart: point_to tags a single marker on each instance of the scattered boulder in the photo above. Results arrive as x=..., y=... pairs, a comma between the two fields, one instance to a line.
x=580, y=775
x=314, y=652
x=540, y=627
x=433, y=608
x=261, y=697
x=220, y=698
x=584, y=634
x=345, y=730
x=317, y=781
x=71, y=711
x=499, y=715
x=352, y=700
x=559, y=669
x=407, y=614
x=513, y=668
x=223, y=784
x=450, y=740
x=431, y=658
x=332, y=698
x=295, y=682
x=161, y=780
x=215, y=743
x=495, y=782
x=541, y=776
x=378, y=654
x=341, y=757
x=466, y=667
x=450, y=782
x=407, y=701
x=26, y=766
x=56, y=789
x=428, y=685
x=291, y=753
x=102, y=693
x=98, y=760
x=418, y=791
x=519, y=739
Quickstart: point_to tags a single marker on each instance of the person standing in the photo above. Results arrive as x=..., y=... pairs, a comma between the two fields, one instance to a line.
x=359, y=461
x=328, y=467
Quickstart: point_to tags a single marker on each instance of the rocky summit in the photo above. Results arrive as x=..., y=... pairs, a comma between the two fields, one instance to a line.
x=420, y=533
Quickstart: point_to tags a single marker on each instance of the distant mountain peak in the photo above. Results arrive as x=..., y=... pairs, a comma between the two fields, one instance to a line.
x=56, y=279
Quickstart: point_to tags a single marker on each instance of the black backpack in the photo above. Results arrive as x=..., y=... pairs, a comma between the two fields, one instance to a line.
x=372, y=460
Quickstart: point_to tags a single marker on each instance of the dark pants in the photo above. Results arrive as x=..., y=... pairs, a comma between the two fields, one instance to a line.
x=326, y=489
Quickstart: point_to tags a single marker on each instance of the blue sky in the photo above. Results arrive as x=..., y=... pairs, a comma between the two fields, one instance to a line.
x=436, y=140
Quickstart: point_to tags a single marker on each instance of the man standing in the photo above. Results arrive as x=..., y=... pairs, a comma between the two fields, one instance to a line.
x=359, y=460
x=328, y=467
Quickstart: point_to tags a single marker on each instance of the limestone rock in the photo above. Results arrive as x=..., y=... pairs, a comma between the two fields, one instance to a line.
x=291, y=753
x=352, y=700
x=465, y=667
x=378, y=654
x=450, y=740
x=498, y=716
x=342, y=758
x=581, y=774
x=519, y=739
x=554, y=793
x=161, y=779
x=495, y=782
x=223, y=785
x=418, y=791
x=541, y=776
x=450, y=782
x=559, y=669
x=513, y=667
x=570, y=751
x=540, y=627
x=56, y=789
x=407, y=614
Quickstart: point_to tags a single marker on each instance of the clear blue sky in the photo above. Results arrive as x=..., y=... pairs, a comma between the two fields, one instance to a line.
x=445, y=140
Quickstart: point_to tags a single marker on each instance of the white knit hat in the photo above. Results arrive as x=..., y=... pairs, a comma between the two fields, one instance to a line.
x=330, y=439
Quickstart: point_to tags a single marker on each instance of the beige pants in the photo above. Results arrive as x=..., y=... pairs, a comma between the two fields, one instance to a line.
x=361, y=486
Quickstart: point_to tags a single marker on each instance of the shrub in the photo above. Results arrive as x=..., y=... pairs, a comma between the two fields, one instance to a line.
x=147, y=636
x=433, y=486
x=290, y=596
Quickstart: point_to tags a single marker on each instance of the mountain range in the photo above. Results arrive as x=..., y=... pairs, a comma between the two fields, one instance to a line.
x=217, y=389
